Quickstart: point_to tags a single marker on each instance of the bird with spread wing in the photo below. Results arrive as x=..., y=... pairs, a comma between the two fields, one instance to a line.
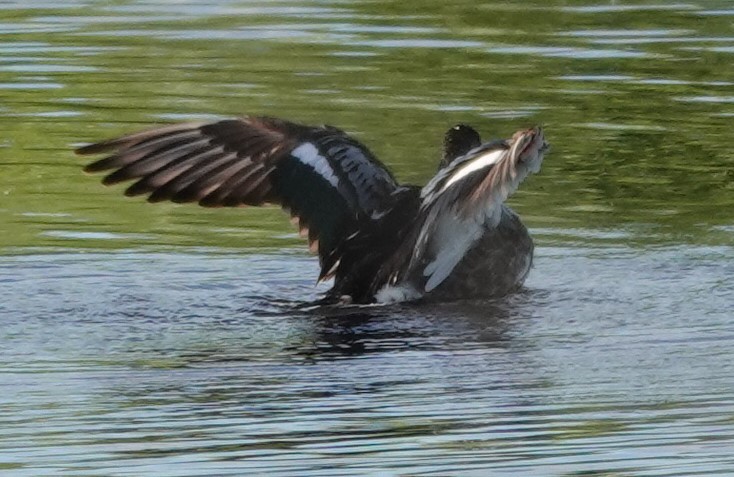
x=379, y=240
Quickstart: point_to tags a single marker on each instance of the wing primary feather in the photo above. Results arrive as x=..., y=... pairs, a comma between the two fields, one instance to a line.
x=184, y=175
x=184, y=189
x=172, y=169
x=242, y=192
x=115, y=161
x=152, y=161
x=156, y=142
x=141, y=138
x=203, y=181
x=217, y=197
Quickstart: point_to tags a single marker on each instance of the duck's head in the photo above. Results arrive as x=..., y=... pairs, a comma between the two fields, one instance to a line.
x=457, y=141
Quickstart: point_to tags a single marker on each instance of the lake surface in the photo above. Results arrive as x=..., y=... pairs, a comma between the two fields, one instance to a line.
x=166, y=340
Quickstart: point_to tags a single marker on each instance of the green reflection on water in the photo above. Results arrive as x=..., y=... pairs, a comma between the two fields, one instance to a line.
x=637, y=104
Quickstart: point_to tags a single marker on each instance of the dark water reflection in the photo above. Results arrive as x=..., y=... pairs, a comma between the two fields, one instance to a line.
x=172, y=341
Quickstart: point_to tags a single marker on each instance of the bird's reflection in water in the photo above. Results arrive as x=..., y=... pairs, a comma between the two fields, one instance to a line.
x=266, y=328
x=338, y=332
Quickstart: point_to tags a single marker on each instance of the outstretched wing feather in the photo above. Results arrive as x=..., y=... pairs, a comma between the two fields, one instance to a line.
x=249, y=161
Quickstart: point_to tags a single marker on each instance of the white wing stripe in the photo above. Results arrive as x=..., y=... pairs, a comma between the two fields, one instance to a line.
x=309, y=155
x=485, y=160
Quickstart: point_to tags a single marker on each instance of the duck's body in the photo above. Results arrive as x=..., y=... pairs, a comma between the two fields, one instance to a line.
x=380, y=241
x=495, y=265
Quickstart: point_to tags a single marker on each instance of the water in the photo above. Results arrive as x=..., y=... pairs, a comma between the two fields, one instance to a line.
x=173, y=341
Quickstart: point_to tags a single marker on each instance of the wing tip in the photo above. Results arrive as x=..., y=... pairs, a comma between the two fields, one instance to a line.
x=95, y=148
x=94, y=167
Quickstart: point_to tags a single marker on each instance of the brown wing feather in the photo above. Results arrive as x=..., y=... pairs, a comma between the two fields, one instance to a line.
x=244, y=161
x=225, y=163
x=142, y=138
x=217, y=164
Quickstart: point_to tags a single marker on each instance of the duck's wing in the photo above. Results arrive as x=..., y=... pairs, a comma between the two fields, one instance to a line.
x=438, y=235
x=326, y=179
x=453, y=214
x=466, y=197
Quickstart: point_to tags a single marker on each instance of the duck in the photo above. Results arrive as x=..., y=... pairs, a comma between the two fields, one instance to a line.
x=379, y=240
